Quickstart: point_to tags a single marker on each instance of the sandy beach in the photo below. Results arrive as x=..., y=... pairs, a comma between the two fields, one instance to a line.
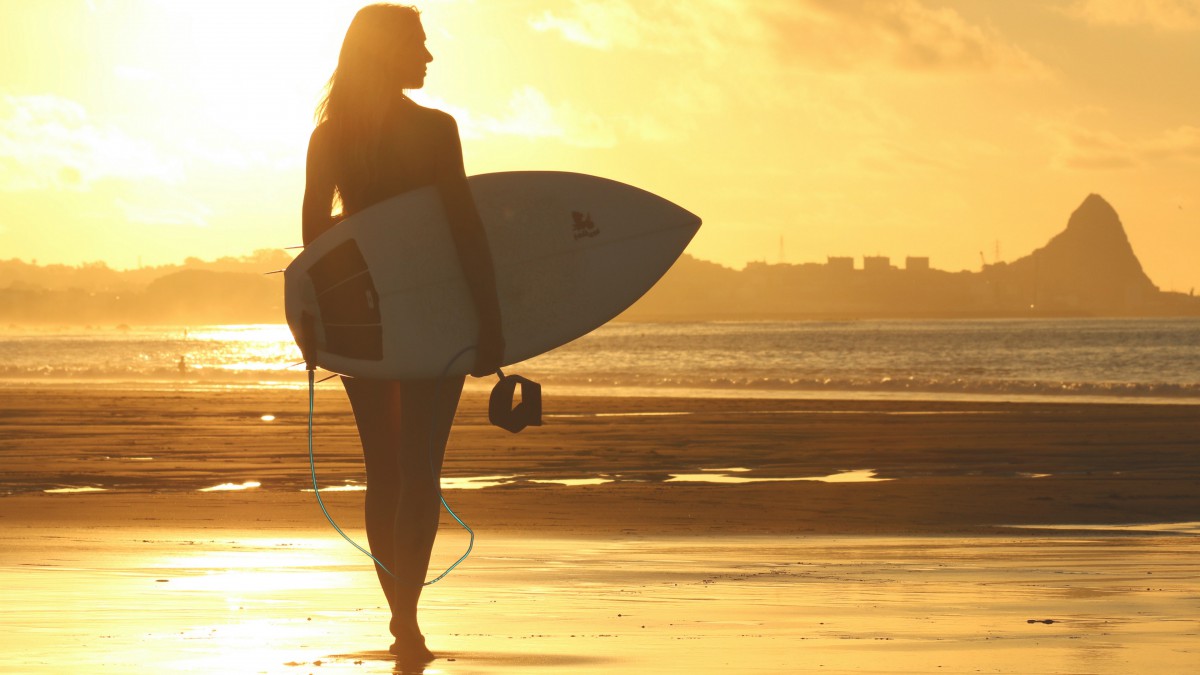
x=635, y=534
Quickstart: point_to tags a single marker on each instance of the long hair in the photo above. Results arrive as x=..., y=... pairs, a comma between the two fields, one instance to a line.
x=362, y=88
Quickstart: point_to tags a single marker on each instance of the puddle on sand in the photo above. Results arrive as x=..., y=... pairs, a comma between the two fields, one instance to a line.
x=706, y=476
x=572, y=482
x=474, y=482
x=229, y=487
x=662, y=413
x=725, y=476
x=1166, y=528
x=73, y=490
x=349, y=487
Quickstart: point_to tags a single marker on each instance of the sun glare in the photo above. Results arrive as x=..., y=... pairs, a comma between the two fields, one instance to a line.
x=257, y=70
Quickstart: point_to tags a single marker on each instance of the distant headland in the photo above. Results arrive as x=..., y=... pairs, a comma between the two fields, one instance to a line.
x=1088, y=269
x=196, y=292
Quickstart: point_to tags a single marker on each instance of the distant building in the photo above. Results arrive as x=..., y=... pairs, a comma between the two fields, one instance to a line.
x=914, y=263
x=876, y=263
x=840, y=263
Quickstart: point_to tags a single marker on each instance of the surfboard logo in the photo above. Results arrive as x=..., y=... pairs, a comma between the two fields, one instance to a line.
x=584, y=227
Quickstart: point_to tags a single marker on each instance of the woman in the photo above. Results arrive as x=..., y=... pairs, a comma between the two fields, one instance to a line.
x=371, y=143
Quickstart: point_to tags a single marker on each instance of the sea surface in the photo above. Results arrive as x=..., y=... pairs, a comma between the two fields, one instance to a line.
x=1149, y=360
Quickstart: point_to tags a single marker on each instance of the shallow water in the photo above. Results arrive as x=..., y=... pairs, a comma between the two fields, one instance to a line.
x=1028, y=359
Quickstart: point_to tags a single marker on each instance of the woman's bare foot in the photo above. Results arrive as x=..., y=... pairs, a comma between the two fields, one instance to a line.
x=410, y=643
x=411, y=651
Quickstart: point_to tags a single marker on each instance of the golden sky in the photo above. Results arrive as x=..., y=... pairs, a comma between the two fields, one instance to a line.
x=153, y=130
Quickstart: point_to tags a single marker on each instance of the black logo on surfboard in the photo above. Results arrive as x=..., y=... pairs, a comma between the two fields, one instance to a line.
x=583, y=225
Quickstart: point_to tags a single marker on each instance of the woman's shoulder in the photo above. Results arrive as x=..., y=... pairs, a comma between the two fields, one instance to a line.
x=322, y=136
x=321, y=145
x=437, y=119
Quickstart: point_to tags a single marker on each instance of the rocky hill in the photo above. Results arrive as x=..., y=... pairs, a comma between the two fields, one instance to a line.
x=1089, y=266
x=227, y=290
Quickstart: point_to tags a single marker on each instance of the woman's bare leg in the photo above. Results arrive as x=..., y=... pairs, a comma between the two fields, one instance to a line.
x=404, y=427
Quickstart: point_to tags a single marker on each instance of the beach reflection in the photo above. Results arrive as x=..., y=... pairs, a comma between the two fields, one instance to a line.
x=237, y=601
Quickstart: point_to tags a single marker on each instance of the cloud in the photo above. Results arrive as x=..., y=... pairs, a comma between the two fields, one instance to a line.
x=593, y=25
x=1165, y=15
x=831, y=65
x=651, y=25
x=1084, y=148
x=906, y=35
x=48, y=142
x=532, y=115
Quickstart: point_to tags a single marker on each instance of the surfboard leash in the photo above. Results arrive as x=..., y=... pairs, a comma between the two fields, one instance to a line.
x=312, y=464
x=436, y=475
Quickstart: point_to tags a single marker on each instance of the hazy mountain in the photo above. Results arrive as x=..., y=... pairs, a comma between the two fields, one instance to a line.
x=227, y=290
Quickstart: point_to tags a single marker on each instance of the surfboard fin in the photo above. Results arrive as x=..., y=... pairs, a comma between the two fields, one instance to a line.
x=527, y=413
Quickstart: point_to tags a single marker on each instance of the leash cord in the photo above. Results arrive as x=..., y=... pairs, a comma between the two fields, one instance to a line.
x=312, y=465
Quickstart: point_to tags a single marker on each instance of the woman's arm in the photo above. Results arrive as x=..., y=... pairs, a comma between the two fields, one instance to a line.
x=319, y=186
x=473, y=251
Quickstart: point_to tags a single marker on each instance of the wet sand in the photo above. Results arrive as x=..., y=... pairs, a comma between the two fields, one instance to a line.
x=915, y=571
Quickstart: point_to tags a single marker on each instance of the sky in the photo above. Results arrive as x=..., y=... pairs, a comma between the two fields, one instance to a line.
x=142, y=132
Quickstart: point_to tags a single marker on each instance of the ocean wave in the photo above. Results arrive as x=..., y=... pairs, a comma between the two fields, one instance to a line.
x=1061, y=359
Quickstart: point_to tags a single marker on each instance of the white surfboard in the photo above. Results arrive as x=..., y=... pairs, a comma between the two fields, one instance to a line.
x=389, y=299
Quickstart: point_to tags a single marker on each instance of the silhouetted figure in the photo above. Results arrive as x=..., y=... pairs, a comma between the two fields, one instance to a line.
x=371, y=143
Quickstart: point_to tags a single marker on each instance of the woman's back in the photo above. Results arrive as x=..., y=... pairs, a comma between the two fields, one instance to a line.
x=409, y=152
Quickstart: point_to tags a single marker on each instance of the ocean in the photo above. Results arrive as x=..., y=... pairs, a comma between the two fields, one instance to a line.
x=1146, y=360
